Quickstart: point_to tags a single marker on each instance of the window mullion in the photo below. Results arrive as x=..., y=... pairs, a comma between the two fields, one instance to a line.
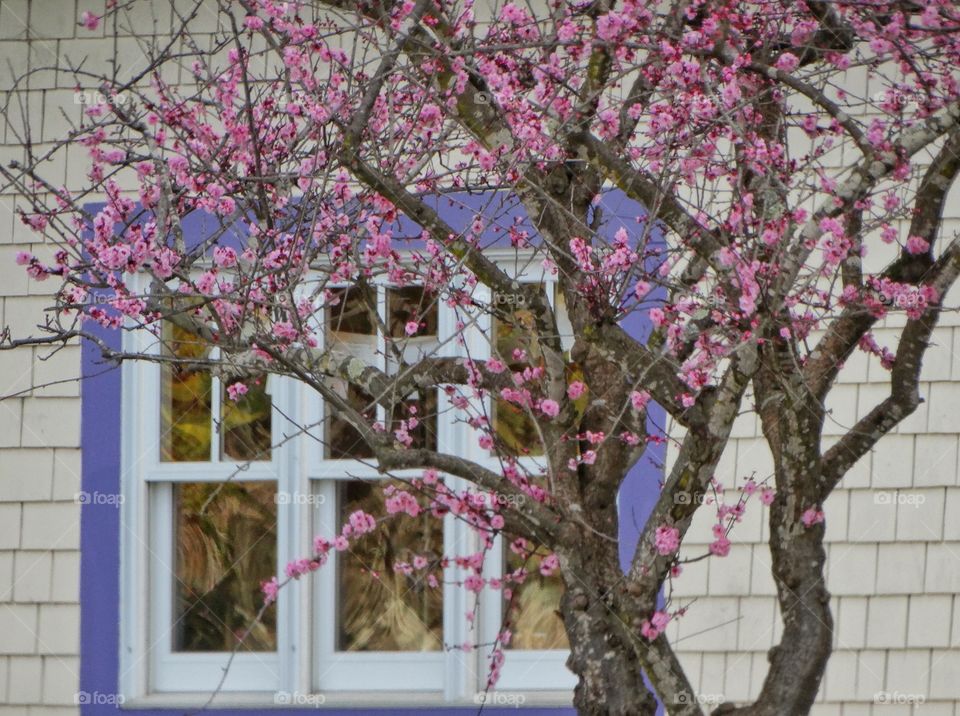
x=216, y=412
x=383, y=359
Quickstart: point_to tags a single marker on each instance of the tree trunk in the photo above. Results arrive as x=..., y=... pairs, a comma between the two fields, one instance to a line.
x=599, y=615
x=604, y=659
x=798, y=662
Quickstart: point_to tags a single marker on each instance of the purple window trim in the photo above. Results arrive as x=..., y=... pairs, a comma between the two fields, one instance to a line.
x=100, y=531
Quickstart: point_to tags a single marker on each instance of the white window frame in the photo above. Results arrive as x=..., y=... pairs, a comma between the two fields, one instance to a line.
x=305, y=661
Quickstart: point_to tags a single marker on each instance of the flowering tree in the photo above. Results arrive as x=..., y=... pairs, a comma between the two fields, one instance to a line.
x=319, y=141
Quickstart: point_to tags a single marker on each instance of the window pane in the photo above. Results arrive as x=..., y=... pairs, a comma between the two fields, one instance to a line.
x=185, y=400
x=245, y=432
x=564, y=327
x=341, y=439
x=422, y=407
x=350, y=330
x=411, y=304
x=533, y=613
x=226, y=546
x=379, y=608
x=352, y=314
x=513, y=331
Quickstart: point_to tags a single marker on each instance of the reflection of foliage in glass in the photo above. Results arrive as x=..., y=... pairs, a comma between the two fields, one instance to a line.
x=185, y=400
x=511, y=423
x=390, y=611
x=349, y=327
x=343, y=441
x=425, y=433
x=351, y=314
x=411, y=303
x=226, y=546
x=533, y=614
x=245, y=428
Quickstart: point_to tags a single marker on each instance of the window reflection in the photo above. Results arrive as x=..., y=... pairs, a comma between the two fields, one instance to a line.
x=351, y=311
x=422, y=408
x=514, y=331
x=380, y=608
x=412, y=319
x=411, y=304
x=350, y=330
x=245, y=428
x=185, y=400
x=533, y=613
x=225, y=548
x=341, y=440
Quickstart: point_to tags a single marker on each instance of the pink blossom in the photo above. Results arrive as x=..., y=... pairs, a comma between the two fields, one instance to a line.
x=720, y=547
x=362, y=522
x=23, y=258
x=495, y=365
x=654, y=627
x=767, y=495
x=576, y=389
x=550, y=408
x=236, y=390
x=224, y=256
x=411, y=328
x=252, y=22
x=270, y=589
x=667, y=540
x=89, y=20
x=549, y=565
x=787, y=62
x=811, y=516
x=639, y=399
x=917, y=245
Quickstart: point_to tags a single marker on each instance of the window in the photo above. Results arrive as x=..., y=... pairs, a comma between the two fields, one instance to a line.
x=221, y=493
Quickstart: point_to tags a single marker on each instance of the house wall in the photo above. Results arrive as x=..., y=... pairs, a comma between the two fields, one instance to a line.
x=894, y=569
x=39, y=427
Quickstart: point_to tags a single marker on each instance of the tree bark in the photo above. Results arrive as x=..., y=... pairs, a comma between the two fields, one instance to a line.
x=604, y=658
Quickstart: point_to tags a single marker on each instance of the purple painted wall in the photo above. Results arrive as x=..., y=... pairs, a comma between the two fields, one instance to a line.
x=101, y=528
